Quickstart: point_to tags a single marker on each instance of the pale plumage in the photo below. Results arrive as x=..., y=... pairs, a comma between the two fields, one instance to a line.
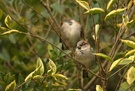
x=84, y=53
x=72, y=31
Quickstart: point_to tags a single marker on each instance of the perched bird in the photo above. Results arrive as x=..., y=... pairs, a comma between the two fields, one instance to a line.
x=72, y=33
x=84, y=53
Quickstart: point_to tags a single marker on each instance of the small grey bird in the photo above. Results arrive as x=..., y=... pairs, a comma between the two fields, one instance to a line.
x=84, y=53
x=72, y=31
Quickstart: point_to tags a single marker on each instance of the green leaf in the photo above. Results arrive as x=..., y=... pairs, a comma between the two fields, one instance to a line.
x=57, y=50
x=41, y=65
x=12, y=38
x=99, y=88
x=1, y=13
x=50, y=48
x=84, y=4
x=11, y=86
x=129, y=43
x=115, y=63
x=11, y=31
x=66, y=51
x=103, y=56
x=131, y=75
x=95, y=11
x=111, y=2
x=114, y=13
x=58, y=7
x=52, y=67
x=130, y=52
x=124, y=86
x=60, y=76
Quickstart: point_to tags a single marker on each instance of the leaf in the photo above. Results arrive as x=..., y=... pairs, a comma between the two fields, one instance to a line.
x=74, y=90
x=131, y=75
x=66, y=51
x=113, y=13
x=32, y=74
x=99, y=88
x=52, y=67
x=111, y=2
x=126, y=61
x=1, y=13
x=125, y=19
x=60, y=76
x=41, y=65
x=97, y=26
x=84, y=4
x=12, y=38
x=11, y=86
x=103, y=56
x=38, y=77
x=129, y=43
x=11, y=31
x=58, y=7
x=124, y=86
x=95, y=10
x=131, y=2
x=8, y=20
x=38, y=71
x=131, y=22
x=130, y=52
x=50, y=48
x=3, y=29
x=115, y=63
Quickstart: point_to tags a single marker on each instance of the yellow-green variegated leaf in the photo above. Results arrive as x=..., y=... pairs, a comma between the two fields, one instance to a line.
x=131, y=75
x=38, y=71
x=126, y=61
x=60, y=76
x=129, y=43
x=111, y=2
x=115, y=63
x=11, y=31
x=11, y=86
x=52, y=67
x=103, y=56
x=113, y=13
x=99, y=88
x=95, y=11
x=41, y=65
x=130, y=52
x=8, y=20
x=32, y=74
x=84, y=4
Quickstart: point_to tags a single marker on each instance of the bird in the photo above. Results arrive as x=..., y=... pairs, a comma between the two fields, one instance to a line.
x=84, y=54
x=72, y=32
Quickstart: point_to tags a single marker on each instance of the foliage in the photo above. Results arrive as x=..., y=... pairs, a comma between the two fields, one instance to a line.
x=29, y=31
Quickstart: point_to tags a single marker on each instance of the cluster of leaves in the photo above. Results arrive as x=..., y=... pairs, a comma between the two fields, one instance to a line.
x=29, y=31
x=50, y=81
